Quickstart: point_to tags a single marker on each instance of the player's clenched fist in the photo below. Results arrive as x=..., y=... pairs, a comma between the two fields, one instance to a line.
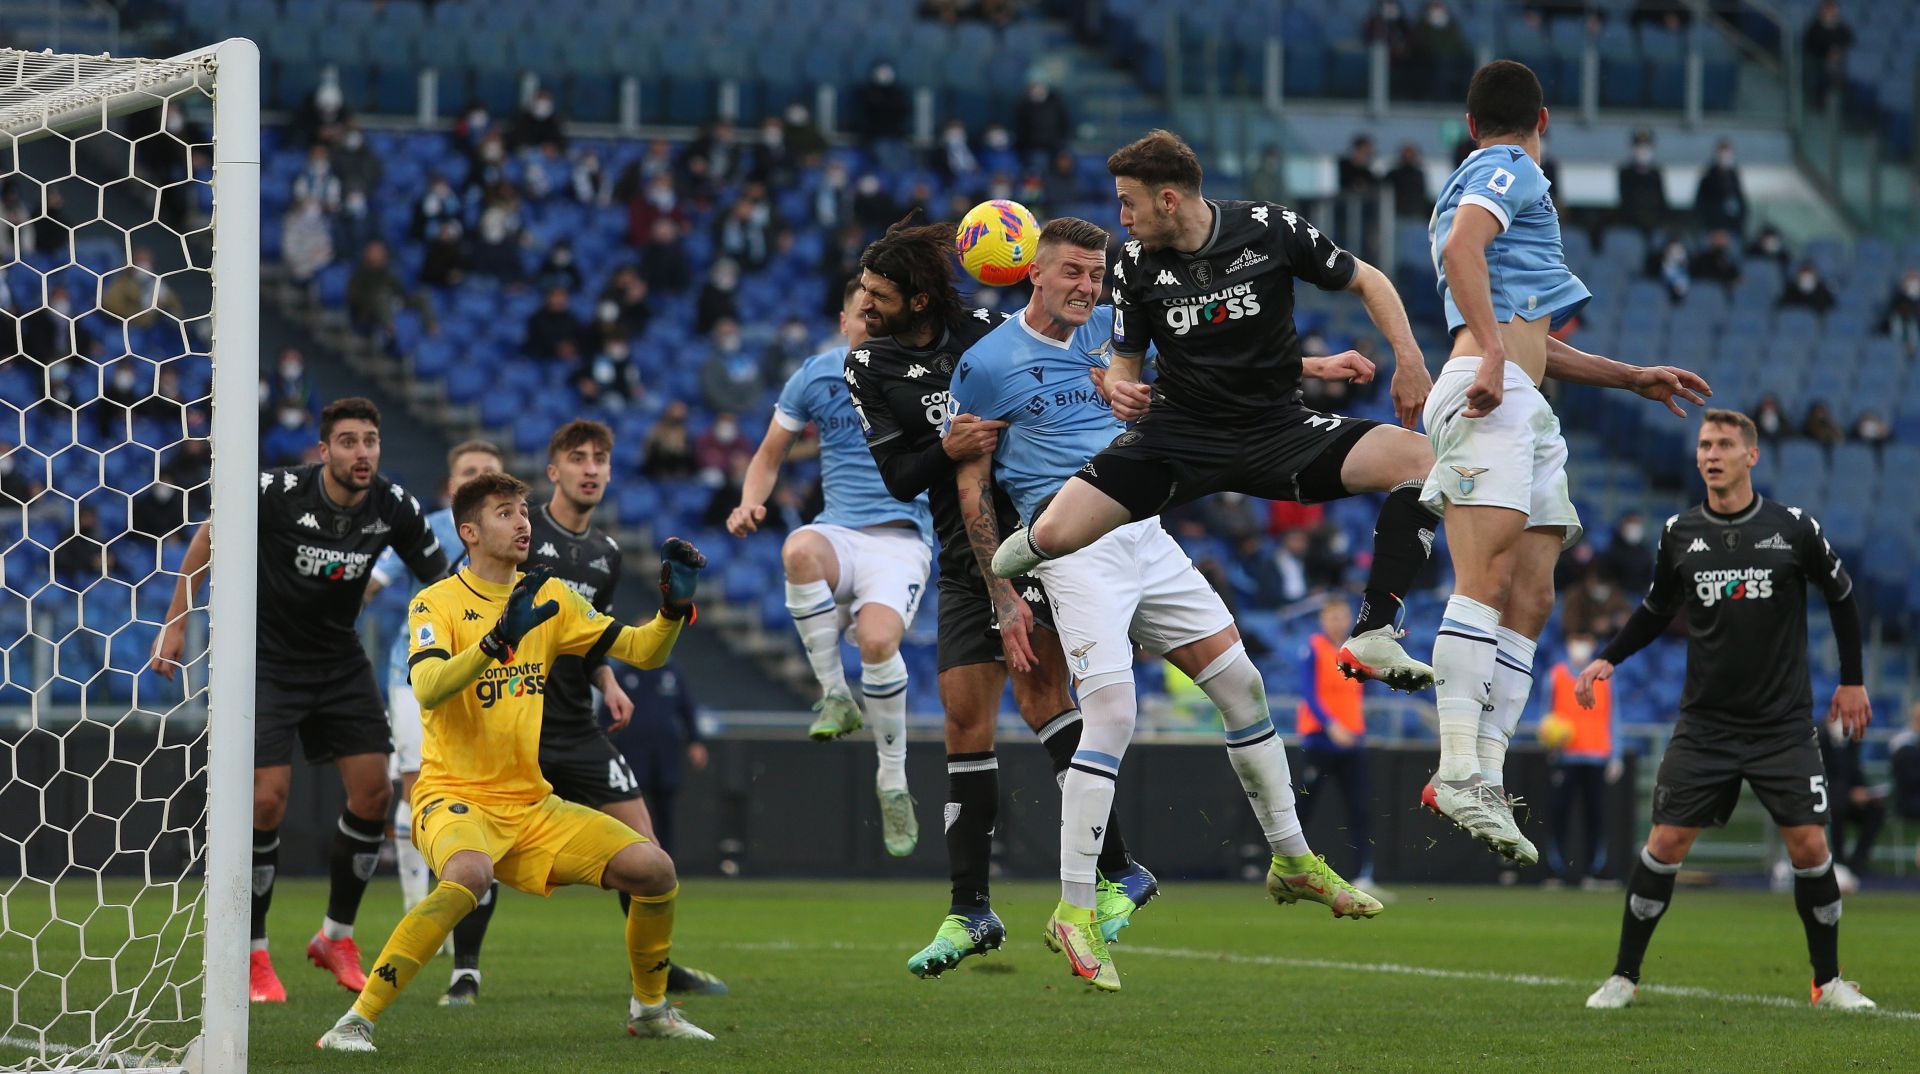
x=743, y=520
x=969, y=437
x=680, y=566
x=521, y=616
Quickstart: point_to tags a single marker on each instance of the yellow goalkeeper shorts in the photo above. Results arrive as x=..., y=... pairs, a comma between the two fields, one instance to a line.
x=534, y=848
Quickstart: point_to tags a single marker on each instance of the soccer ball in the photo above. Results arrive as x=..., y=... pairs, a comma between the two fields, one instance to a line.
x=1555, y=731
x=996, y=241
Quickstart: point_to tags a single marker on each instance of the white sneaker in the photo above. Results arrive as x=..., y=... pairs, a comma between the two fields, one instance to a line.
x=898, y=826
x=664, y=1020
x=1525, y=853
x=1841, y=994
x=1473, y=808
x=1375, y=654
x=1613, y=994
x=353, y=1033
x=1015, y=556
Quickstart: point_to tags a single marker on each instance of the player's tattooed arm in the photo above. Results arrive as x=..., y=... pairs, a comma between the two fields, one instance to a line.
x=974, y=479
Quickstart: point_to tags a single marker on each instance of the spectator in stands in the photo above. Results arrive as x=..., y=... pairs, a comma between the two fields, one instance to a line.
x=1820, y=426
x=873, y=205
x=606, y=375
x=550, y=326
x=319, y=117
x=1671, y=266
x=1719, y=202
x=1902, y=319
x=1331, y=727
x=721, y=450
x=1825, y=42
x=1408, y=178
x=1871, y=428
x=664, y=264
x=15, y=484
x=745, y=232
x=489, y=166
x=660, y=200
x=1387, y=25
x=833, y=197
x=1595, y=607
x=952, y=157
x=771, y=160
x=51, y=332
x=447, y=260
x=718, y=299
x=121, y=394
x=50, y=229
x=1267, y=181
x=497, y=254
x=1042, y=125
x=1257, y=579
x=1356, y=168
x=1806, y=290
x=882, y=109
x=353, y=225
x=1628, y=560
x=1857, y=806
x=1769, y=245
x=628, y=293
x=587, y=180
x=473, y=126
x=355, y=162
x=718, y=146
x=1582, y=769
x=557, y=268
x=997, y=157
x=166, y=407
x=375, y=293
x=316, y=179
x=669, y=449
x=1642, y=187
x=285, y=444
x=791, y=346
x=731, y=376
x=538, y=123
x=1716, y=261
x=287, y=384
x=137, y=294
x=804, y=139
x=81, y=555
x=437, y=204
x=1771, y=419
x=159, y=511
x=1436, y=51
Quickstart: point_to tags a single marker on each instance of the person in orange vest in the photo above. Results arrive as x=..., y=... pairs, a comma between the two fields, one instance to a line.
x=1332, y=732
x=1582, y=768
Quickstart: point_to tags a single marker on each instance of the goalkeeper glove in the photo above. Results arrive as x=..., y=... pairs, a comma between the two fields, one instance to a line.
x=680, y=565
x=521, y=616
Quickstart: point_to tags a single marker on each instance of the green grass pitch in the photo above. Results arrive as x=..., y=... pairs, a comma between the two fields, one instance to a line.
x=1216, y=979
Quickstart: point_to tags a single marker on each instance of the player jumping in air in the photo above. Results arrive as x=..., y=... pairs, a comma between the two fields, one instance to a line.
x=898, y=381
x=1132, y=585
x=865, y=557
x=476, y=641
x=1738, y=567
x=1500, y=462
x=1209, y=284
x=321, y=527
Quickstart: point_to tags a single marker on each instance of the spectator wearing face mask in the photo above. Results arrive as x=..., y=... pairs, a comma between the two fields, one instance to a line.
x=550, y=326
x=1770, y=418
x=1719, y=202
x=448, y=258
x=1820, y=426
x=1671, y=265
x=538, y=123
x=669, y=447
x=1806, y=290
x=355, y=162
x=770, y=160
x=1902, y=318
x=721, y=450
x=1595, y=607
x=320, y=116
x=289, y=385
x=628, y=294
x=718, y=300
x=606, y=375
x=558, y=269
x=137, y=294
x=286, y=443
x=501, y=237
x=1042, y=125
x=952, y=157
x=803, y=136
x=1716, y=261
x=997, y=157
x=790, y=347
x=488, y=168
x=316, y=180
x=1871, y=428
x=1408, y=178
x=731, y=376
x=1628, y=560
x=473, y=126
x=745, y=231
x=1825, y=42
x=1642, y=187
x=718, y=146
x=659, y=200
x=873, y=205
x=440, y=202
x=1768, y=244
x=1582, y=769
x=883, y=111
x=664, y=264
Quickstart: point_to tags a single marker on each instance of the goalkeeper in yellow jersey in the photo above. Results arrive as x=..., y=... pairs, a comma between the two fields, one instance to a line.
x=479, y=646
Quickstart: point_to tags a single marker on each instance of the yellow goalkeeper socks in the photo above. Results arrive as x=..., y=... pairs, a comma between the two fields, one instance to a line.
x=649, y=942
x=414, y=941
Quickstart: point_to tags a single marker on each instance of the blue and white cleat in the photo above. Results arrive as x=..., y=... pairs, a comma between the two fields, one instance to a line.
x=960, y=936
x=1121, y=895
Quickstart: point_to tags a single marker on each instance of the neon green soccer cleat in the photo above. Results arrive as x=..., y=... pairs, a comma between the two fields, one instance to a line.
x=1308, y=878
x=1118, y=896
x=1075, y=932
x=839, y=717
x=960, y=936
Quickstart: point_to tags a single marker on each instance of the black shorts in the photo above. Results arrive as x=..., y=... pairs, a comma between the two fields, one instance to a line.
x=335, y=713
x=1699, y=779
x=967, y=631
x=590, y=772
x=1171, y=457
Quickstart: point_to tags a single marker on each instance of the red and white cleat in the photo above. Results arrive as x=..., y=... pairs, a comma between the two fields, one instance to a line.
x=263, y=985
x=1378, y=655
x=1841, y=994
x=340, y=958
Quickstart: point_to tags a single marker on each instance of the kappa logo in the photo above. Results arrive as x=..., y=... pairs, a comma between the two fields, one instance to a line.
x=599, y=565
x=1120, y=272
x=266, y=481
x=1698, y=545
x=847, y=375
x=387, y=973
x=1166, y=279
x=1247, y=259
x=916, y=371
x=287, y=481
x=863, y=356
x=1032, y=595
x=468, y=615
x=1133, y=250
x=547, y=549
x=1467, y=476
x=1795, y=512
x=981, y=314
x=420, y=608
x=1259, y=213
x=309, y=520
x=1775, y=543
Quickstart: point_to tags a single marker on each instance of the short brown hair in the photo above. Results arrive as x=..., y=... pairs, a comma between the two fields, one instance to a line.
x=580, y=432
x=469, y=498
x=473, y=447
x=1160, y=159
x=1073, y=231
x=1749, y=433
x=352, y=408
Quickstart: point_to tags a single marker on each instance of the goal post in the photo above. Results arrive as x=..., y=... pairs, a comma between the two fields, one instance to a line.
x=129, y=380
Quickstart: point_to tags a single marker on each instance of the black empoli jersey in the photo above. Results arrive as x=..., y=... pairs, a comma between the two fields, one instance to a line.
x=589, y=564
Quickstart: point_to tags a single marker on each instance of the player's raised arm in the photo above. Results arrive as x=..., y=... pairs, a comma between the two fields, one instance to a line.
x=649, y=644
x=1663, y=384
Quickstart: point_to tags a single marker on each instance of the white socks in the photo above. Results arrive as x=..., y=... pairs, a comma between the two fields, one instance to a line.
x=1259, y=758
x=1463, y=665
x=413, y=867
x=885, y=687
x=1512, y=684
x=817, y=619
x=1086, y=795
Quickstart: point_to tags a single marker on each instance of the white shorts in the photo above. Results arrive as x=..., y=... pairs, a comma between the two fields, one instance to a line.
x=403, y=713
x=885, y=565
x=1135, y=585
x=1513, y=457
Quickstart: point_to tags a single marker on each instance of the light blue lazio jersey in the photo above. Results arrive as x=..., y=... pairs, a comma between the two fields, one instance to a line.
x=1056, y=418
x=849, y=479
x=389, y=569
x=1526, y=265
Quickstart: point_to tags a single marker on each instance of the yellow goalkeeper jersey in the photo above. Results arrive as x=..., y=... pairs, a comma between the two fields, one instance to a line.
x=482, y=718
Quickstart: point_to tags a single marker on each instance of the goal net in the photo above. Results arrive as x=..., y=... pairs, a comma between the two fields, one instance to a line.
x=129, y=239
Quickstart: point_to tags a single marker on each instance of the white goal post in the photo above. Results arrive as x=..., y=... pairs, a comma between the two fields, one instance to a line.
x=128, y=370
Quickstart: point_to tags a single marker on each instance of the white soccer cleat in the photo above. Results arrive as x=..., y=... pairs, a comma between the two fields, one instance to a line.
x=1472, y=807
x=1015, y=556
x=1616, y=992
x=351, y=1033
x=1841, y=994
x=899, y=828
x=1376, y=654
x=664, y=1021
x=1525, y=853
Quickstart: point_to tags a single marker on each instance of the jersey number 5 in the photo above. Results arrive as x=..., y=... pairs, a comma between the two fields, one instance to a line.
x=1818, y=785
